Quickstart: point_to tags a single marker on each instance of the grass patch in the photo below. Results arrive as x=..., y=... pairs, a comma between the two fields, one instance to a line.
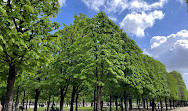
x=38, y=109
x=79, y=109
x=65, y=109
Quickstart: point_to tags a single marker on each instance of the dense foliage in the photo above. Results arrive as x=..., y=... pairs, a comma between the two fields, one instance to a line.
x=91, y=60
x=25, y=40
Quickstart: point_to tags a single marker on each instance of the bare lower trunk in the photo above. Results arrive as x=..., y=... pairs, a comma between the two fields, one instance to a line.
x=77, y=95
x=10, y=88
x=110, y=103
x=72, y=98
x=166, y=103
x=125, y=100
x=36, y=99
x=161, y=104
x=116, y=104
x=99, y=94
x=26, y=104
x=147, y=103
x=130, y=104
x=94, y=109
x=17, y=95
x=138, y=104
x=62, y=99
x=83, y=103
x=121, y=104
x=48, y=104
x=144, y=104
x=63, y=94
x=153, y=104
x=29, y=103
x=170, y=104
x=173, y=103
x=23, y=101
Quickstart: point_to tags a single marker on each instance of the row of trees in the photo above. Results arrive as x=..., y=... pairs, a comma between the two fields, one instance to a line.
x=92, y=58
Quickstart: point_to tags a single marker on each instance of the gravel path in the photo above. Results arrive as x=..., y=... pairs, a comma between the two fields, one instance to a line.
x=181, y=109
x=177, y=109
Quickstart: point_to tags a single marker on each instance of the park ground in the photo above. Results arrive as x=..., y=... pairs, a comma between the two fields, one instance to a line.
x=91, y=109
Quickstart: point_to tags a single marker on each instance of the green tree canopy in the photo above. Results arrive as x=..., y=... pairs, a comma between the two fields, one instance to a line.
x=24, y=36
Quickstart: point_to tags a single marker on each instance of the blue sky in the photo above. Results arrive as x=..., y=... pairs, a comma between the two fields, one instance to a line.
x=159, y=27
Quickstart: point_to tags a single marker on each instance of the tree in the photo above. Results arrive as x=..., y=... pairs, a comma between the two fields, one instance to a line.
x=104, y=59
x=66, y=65
x=182, y=91
x=91, y=52
x=173, y=89
x=24, y=36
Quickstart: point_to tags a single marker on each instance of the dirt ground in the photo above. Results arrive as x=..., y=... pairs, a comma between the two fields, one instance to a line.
x=181, y=109
x=177, y=109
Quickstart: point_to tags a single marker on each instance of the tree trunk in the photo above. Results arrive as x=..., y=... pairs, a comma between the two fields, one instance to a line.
x=147, y=103
x=144, y=104
x=26, y=104
x=125, y=101
x=130, y=104
x=173, y=103
x=101, y=105
x=77, y=95
x=138, y=104
x=17, y=95
x=63, y=94
x=48, y=103
x=53, y=103
x=99, y=95
x=166, y=103
x=99, y=87
x=121, y=104
x=170, y=104
x=83, y=103
x=36, y=99
x=72, y=98
x=116, y=103
x=23, y=101
x=10, y=88
x=161, y=104
x=29, y=103
x=110, y=103
x=94, y=109
x=153, y=104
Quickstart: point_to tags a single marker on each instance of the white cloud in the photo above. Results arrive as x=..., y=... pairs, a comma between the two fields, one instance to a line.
x=112, y=18
x=171, y=50
x=142, y=16
x=157, y=40
x=144, y=6
x=62, y=2
x=121, y=5
x=116, y=5
x=94, y=4
x=136, y=23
